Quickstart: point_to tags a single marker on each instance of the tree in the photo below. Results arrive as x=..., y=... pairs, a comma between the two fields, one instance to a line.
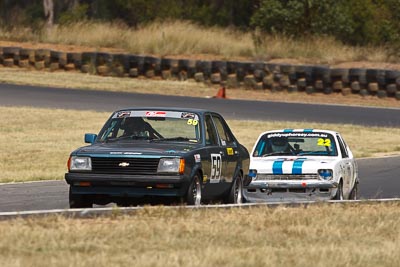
x=48, y=6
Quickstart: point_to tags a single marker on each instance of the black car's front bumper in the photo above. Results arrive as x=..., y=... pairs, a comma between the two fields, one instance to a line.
x=127, y=185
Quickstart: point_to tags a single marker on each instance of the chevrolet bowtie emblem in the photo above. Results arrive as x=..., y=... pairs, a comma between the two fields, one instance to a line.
x=123, y=164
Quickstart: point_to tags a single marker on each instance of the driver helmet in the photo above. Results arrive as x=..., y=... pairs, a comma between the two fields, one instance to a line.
x=134, y=125
x=279, y=144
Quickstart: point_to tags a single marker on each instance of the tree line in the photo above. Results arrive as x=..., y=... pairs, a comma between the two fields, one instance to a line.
x=354, y=22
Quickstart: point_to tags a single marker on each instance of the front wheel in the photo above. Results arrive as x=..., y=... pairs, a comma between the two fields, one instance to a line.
x=193, y=195
x=236, y=192
x=79, y=201
x=339, y=192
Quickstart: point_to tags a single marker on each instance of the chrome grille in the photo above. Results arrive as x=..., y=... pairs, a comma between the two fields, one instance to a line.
x=136, y=166
x=264, y=177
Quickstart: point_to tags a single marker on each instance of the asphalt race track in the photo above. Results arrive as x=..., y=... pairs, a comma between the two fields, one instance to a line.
x=15, y=95
x=379, y=177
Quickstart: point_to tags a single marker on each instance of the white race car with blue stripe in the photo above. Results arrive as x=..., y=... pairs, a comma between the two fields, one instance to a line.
x=301, y=164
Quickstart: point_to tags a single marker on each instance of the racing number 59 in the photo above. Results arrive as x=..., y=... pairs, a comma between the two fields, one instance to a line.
x=215, y=176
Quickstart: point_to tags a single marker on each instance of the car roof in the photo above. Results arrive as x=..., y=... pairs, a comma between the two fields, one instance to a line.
x=194, y=110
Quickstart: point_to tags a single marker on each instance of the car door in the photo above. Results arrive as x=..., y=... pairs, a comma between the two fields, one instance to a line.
x=215, y=168
x=229, y=147
x=347, y=166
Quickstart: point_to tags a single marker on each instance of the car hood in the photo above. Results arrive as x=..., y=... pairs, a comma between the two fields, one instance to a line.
x=137, y=148
x=292, y=165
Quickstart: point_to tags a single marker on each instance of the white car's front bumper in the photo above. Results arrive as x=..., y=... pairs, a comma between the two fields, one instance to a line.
x=278, y=190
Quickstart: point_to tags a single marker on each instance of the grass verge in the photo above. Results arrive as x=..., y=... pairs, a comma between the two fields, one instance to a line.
x=36, y=143
x=318, y=235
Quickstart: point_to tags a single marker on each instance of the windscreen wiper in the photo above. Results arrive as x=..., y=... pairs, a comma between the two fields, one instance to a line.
x=178, y=138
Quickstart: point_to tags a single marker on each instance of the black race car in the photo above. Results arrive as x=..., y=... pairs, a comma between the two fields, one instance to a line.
x=158, y=153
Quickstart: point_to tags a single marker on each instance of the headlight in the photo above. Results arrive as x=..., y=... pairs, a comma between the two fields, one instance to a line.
x=80, y=163
x=253, y=173
x=171, y=165
x=325, y=174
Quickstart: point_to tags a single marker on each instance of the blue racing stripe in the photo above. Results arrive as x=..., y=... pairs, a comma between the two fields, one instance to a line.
x=298, y=166
x=277, y=167
x=308, y=130
x=288, y=130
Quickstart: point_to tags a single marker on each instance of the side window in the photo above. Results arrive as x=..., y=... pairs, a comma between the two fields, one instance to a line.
x=226, y=137
x=343, y=149
x=211, y=134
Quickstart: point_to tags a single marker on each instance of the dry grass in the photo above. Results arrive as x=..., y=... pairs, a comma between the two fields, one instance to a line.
x=74, y=80
x=319, y=235
x=188, y=39
x=36, y=142
x=318, y=50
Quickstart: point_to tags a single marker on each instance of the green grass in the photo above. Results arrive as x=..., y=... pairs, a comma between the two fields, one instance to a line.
x=36, y=142
x=319, y=235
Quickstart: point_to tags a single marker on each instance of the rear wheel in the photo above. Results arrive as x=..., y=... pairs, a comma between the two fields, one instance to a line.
x=339, y=192
x=79, y=201
x=193, y=195
x=354, y=192
x=236, y=192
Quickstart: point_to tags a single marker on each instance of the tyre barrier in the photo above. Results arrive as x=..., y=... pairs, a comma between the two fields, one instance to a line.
x=257, y=75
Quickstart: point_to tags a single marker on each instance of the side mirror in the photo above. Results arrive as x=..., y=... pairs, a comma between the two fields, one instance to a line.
x=90, y=138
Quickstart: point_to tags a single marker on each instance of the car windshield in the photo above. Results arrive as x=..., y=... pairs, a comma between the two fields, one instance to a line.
x=154, y=126
x=296, y=143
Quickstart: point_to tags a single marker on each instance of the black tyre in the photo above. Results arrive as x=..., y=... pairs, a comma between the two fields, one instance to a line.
x=322, y=73
x=79, y=201
x=381, y=94
x=75, y=58
x=169, y=64
x=26, y=53
x=359, y=75
x=354, y=192
x=236, y=193
x=152, y=63
x=204, y=67
x=11, y=51
x=193, y=195
x=340, y=74
x=137, y=62
x=272, y=68
x=89, y=58
x=339, y=192
x=287, y=68
x=390, y=74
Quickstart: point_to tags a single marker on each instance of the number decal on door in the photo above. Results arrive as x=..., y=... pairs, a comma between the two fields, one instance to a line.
x=216, y=164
